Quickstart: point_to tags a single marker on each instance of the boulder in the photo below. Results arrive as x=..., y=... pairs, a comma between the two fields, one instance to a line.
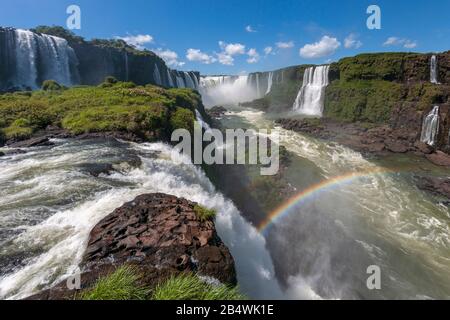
x=439, y=158
x=33, y=142
x=161, y=235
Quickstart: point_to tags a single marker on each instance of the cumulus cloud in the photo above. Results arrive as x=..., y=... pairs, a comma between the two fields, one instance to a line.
x=225, y=59
x=351, y=42
x=285, y=45
x=253, y=56
x=395, y=41
x=169, y=56
x=268, y=50
x=232, y=49
x=138, y=41
x=250, y=29
x=325, y=47
x=198, y=56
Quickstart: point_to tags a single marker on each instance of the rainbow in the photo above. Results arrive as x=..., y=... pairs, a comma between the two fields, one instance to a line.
x=308, y=193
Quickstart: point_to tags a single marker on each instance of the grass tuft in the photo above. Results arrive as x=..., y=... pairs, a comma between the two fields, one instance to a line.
x=203, y=213
x=190, y=287
x=122, y=284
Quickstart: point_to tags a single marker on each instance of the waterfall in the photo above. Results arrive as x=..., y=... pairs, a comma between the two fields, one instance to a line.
x=188, y=80
x=30, y=58
x=433, y=69
x=227, y=90
x=127, y=73
x=180, y=82
x=169, y=76
x=201, y=121
x=258, y=90
x=157, y=75
x=430, y=127
x=26, y=52
x=269, y=82
x=310, y=98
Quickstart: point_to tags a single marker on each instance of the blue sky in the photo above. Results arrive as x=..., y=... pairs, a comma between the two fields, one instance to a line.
x=230, y=37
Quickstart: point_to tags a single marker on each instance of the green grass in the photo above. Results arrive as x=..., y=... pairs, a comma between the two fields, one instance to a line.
x=190, y=287
x=143, y=110
x=122, y=284
x=203, y=213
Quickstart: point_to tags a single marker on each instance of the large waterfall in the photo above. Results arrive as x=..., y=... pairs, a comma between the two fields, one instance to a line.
x=269, y=82
x=430, y=127
x=157, y=75
x=226, y=90
x=28, y=58
x=310, y=98
x=433, y=69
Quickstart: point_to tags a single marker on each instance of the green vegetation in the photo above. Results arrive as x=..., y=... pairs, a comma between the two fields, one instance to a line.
x=190, y=287
x=148, y=111
x=50, y=85
x=203, y=213
x=387, y=66
x=373, y=100
x=122, y=284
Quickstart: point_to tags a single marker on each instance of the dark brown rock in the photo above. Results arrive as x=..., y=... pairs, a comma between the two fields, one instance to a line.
x=161, y=235
x=33, y=142
x=440, y=158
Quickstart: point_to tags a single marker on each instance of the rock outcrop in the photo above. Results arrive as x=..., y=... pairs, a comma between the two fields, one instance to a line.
x=161, y=235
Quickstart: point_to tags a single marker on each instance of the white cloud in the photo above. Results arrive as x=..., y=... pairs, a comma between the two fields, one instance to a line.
x=197, y=55
x=169, y=56
x=232, y=49
x=395, y=41
x=225, y=59
x=325, y=47
x=285, y=45
x=268, y=50
x=253, y=56
x=137, y=41
x=250, y=29
x=352, y=42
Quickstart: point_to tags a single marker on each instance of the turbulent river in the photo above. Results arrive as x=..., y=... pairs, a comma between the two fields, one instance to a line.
x=51, y=197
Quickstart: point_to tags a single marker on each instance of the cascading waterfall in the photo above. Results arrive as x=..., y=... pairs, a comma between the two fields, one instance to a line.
x=310, y=99
x=188, y=80
x=157, y=75
x=35, y=58
x=430, y=127
x=169, y=77
x=269, y=82
x=258, y=90
x=433, y=69
x=226, y=90
x=127, y=72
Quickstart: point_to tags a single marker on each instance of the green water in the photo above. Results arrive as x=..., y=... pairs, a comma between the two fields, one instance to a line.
x=326, y=243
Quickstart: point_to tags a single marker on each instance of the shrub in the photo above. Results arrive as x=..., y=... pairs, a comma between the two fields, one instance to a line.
x=50, y=85
x=190, y=287
x=182, y=119
x=122, y=284
x=204, y=213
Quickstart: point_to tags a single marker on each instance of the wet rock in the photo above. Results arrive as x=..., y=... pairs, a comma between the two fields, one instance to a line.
x=423, y=147
x=2, y=154
x=33, y=142
x=217, y=111
x=440, y=158
x=436, y=185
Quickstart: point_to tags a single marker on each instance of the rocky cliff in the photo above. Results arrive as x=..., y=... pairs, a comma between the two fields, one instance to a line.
x=29, y=57
x=159, y=235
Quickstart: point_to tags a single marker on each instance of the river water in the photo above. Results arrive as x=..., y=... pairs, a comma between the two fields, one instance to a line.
x=323, y=247
x=51, y=197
